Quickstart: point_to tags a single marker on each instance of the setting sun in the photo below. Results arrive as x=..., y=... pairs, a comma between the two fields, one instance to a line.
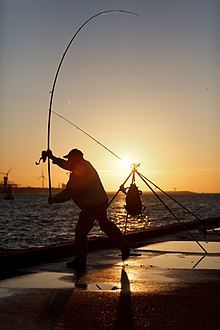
x=126, y=162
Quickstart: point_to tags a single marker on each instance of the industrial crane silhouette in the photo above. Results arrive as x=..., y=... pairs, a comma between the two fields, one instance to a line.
x=5, y=178
x=8, y=190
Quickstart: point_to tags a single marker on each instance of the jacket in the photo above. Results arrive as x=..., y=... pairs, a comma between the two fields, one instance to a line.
x=84, y=186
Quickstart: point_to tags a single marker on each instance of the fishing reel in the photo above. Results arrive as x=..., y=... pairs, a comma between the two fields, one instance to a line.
x=44, y=155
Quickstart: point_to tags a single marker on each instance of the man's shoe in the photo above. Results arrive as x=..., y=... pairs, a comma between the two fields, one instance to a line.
x=125, y=253
x=76, y=264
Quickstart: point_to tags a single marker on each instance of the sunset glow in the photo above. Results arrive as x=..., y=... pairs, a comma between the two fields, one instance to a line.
x=146, y=87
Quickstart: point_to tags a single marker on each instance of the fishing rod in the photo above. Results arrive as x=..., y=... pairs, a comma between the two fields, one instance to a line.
x=44, y=154
x=81, y=130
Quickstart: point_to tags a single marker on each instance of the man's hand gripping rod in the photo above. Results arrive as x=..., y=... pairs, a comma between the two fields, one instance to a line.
x=44, y=155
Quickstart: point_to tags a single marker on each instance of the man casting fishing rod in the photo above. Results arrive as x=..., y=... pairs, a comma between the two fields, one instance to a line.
x=86, y=190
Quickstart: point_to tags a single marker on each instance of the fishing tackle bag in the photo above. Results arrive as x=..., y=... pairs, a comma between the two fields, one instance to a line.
x=133, y=201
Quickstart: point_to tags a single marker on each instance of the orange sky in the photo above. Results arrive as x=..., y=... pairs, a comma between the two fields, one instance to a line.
x=146, y=87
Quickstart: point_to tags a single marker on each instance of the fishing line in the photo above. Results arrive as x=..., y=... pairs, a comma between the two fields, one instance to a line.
x=81, y=130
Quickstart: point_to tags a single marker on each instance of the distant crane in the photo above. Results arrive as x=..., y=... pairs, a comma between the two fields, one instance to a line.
x=43, y=178
x=8, y=190
x=6, y=177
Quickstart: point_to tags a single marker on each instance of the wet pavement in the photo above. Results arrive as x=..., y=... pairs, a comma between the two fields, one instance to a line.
x=166, y=284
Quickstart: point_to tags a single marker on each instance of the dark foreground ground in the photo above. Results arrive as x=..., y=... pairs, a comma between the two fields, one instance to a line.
x=196, y=307
x=170, y=285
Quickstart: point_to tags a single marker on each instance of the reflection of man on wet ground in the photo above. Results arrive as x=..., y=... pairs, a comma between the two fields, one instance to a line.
x=86, y=190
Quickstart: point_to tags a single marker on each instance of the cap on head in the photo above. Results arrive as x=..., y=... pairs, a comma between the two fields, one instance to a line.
x=74, y=153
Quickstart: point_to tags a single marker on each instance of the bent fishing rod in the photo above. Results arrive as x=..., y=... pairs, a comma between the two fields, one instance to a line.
x=44, y=154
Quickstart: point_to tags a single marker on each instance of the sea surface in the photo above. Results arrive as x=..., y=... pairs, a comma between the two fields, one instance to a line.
x=29, y=221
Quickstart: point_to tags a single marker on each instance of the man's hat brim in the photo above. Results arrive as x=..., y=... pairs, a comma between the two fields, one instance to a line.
x=73, y=152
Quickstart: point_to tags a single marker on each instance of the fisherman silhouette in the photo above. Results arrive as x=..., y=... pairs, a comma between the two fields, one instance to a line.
x=86, y=190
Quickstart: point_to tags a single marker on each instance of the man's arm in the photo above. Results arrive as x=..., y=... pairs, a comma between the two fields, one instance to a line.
x=64, y=196
x=61, y=163
x=58, y=161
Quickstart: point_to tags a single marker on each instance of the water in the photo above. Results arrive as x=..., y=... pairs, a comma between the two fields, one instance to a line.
x=28, y=220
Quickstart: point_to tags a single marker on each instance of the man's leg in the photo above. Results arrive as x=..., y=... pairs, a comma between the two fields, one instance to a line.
x=83, y=227
x=114, y=233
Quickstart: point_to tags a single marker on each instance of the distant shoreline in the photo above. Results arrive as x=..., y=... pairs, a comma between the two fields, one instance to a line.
x=32, y=190
x=39, y=190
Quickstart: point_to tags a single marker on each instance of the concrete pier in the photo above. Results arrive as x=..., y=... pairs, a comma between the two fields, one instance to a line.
x=167, y=283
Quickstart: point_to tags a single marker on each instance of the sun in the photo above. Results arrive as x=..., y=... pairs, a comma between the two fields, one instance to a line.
x=126, y=162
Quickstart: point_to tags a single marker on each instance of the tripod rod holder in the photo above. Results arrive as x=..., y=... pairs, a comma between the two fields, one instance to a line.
x=134, y=170
x=135, y=166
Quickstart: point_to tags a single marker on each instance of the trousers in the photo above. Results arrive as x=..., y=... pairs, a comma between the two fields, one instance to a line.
x=87, y=217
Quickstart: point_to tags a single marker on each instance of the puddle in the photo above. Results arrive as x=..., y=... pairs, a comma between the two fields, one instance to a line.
x=95, y=287
x=43, y=280
x=182, y=255
x=183, y=246
x=4, y=293
x=181, y=261
x=79, y=284
x=50, y=280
